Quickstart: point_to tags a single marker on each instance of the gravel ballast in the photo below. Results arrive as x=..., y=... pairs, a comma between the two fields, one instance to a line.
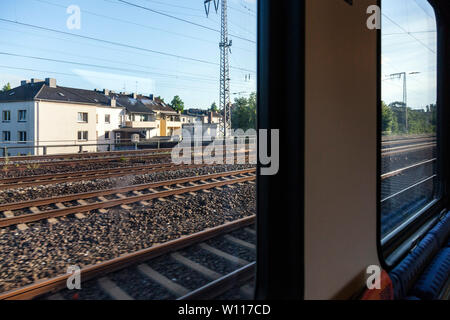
x=46, y=250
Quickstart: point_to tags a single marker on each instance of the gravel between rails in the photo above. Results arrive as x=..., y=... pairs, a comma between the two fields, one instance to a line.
x=11, y=171
x=46, y=250
x=36, y=192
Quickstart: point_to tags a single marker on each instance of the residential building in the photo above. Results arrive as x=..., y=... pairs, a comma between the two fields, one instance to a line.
x=41, y=114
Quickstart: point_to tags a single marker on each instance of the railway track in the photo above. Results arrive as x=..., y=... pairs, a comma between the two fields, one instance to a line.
x=138, y=262
x=89, y=201
x=72, y=158
x=46, y=179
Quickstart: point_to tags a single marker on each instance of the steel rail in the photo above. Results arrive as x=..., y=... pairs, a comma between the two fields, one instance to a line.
x=54, y=213
x=72, y=163
x=93, y=155
x=137, y=187
x=412, y=141
x=396, y=172
x=94, y=271
x=223, y=284
x=408, y=188
x=90, y=175
x=404, y=149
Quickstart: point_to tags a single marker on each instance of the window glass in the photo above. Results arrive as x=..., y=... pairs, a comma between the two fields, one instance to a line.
x=409, y=180
x=22, y=115
x=111, y=81
x=6, y=116
x=82, y=117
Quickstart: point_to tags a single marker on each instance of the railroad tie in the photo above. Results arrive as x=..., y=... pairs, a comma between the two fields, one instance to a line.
x=177, y=196
x=152, y=190
x=137, y=193
x=82, y=202
x=219, y=188
x=171, y=286
x=120, y=195
x=193, y=184
x=59, y=205
x=102, y=210
x=35, y=210
x=113, y=290
x=251, y=231
x=22, y=227
x=143, y=203
x=193, y=194
x=162, y=200
x=80, y=216
x=208, y=273
x=102, y=199
x=8, y=214
x=223, y=254
x=240, y=242
x=52, y=221
x=206, y=191
x=56, y=296
x=126, y=207
x=167, y=188
x=247, y=292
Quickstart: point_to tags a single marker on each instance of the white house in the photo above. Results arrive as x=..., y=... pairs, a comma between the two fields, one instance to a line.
x=40, y=117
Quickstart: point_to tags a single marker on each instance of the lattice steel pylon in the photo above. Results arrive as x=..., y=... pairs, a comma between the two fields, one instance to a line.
x=225, y=50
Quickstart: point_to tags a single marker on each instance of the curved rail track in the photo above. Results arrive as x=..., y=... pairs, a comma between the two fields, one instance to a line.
x=98, y=271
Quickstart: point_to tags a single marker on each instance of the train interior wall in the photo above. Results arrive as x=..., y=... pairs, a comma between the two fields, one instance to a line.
x=341, y=117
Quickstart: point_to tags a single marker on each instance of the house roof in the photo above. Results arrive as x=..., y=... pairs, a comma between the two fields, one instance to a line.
x=42, y=91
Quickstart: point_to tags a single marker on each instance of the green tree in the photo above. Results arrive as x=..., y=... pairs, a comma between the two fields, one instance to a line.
x=177, y=104
x=6, y=87
x=244, y=113
x=387, y=119
x=214, y=107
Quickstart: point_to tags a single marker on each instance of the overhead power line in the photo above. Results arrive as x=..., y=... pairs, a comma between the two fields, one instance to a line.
x=410, y=34
x=183, y=20
x=116, y=43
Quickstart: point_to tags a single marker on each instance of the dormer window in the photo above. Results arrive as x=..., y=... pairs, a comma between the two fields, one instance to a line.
x=61, y=94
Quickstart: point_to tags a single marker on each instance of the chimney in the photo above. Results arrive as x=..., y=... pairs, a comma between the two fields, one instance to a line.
x=50, y=82
x=113, y=102
x=151, y=96
x=134, y=95
x=24, y=82
x=106, y=92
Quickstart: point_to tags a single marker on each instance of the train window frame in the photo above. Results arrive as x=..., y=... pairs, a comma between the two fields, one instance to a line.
x=396, y=245
x=281, y=55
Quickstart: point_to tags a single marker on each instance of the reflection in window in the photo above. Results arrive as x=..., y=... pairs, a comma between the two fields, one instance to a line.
x=409, y=180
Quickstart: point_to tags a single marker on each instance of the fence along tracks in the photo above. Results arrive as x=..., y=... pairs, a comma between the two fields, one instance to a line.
x=98, y=270
x=140, y=193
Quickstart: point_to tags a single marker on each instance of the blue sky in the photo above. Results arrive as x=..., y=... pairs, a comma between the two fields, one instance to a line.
x=409, y=45
x=193, y=74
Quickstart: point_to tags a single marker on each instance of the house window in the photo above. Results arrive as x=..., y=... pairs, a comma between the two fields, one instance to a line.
x=82, y=117
x=107, y=135
x=6, y=115
x=22, y=117
x=6, y=136
x=22, y=136
x=107, y=118
x=82, y=135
